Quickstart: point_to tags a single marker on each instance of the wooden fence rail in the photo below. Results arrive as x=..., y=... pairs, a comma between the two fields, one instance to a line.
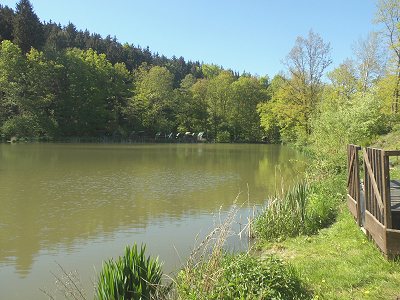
x=375, y=192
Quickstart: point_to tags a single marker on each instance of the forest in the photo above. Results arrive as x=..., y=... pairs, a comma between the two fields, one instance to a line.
x=57, y=82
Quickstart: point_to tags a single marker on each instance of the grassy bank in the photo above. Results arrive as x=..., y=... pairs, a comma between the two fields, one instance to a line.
x=340, y=263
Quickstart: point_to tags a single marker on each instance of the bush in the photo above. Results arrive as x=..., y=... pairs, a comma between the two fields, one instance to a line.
x=29, y=126
x=245, y=277
x=223, y=137
x=133, y=276
x=22, y=125
x=356, y=121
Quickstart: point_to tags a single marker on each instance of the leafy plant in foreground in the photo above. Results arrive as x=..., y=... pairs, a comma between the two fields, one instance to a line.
x=132, y=277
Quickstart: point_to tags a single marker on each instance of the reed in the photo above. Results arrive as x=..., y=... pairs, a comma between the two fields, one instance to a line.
x=131, y=277
x=285, y=214
x=303, y=209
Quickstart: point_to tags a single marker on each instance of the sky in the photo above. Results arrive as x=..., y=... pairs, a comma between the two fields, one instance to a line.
x=253, y=35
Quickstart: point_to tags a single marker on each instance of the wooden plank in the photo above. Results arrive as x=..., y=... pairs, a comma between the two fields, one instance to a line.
x=357, y=193
x=350, y=168
x=372, y=161
x=392, y=152
x=373, y=200
x=352, y=204
x=353, y=182
x=376, y=230
x=371, y=196
x=356, y=147
x=373, y=182
x=386, y=190
x=379, y=181
x=393, y=241
x=366, y=189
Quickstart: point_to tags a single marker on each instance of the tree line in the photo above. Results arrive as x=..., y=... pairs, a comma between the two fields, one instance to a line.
x=57, y=81
x=81, y=93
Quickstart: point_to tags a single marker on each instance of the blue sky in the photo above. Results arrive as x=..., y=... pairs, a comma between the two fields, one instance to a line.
x=253, y=35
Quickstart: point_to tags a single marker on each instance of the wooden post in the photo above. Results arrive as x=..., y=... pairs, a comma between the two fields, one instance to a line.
x=386, y=190
x=357, y=187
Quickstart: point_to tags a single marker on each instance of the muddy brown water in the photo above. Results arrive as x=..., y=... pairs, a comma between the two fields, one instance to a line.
x=79, y=204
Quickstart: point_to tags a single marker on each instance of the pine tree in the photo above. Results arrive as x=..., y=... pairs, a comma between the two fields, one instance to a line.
x=6, y=23
x=28, y=30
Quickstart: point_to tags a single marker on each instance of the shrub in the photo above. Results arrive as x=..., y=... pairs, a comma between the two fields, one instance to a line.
x=356, y=121
x=133, y=276
x=245, y=277
x=22, y=125
x=223, y=137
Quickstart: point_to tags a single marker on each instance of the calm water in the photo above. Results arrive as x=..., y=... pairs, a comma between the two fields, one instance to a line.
x=79, y=204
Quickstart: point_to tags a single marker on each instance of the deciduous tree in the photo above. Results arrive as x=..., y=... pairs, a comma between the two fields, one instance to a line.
x=388, y=14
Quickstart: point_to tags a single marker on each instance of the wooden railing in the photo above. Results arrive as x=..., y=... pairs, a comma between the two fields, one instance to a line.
x=377, y=184
x=380, y=221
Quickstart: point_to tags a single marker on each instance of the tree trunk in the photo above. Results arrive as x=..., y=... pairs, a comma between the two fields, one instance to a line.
x=396, y=94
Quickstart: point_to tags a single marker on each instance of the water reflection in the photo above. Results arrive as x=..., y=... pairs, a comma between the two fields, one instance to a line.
x=54, y=197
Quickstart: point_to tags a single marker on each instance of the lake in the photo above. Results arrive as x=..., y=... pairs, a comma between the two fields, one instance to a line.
x=77, y=205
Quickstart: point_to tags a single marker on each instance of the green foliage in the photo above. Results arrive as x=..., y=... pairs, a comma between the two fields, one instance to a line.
x=285, y=112
x=245, y=277
x=20, y=126
x=223, y=137
x=210, y=71
x=303, y=209
x=81, y=93
x=285, y=215
x=344, y=80
x=6, y=23
x=153, y=106
x=27, y=29
x=356, y=121
x=247, y=92
x=133, y=276
x=297, y=96
x=191, y=106
x=385, y=89
x=219, y=100
x=12, y=66
x=82, y=110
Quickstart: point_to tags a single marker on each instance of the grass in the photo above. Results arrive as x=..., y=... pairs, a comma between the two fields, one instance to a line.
x=340, y=263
